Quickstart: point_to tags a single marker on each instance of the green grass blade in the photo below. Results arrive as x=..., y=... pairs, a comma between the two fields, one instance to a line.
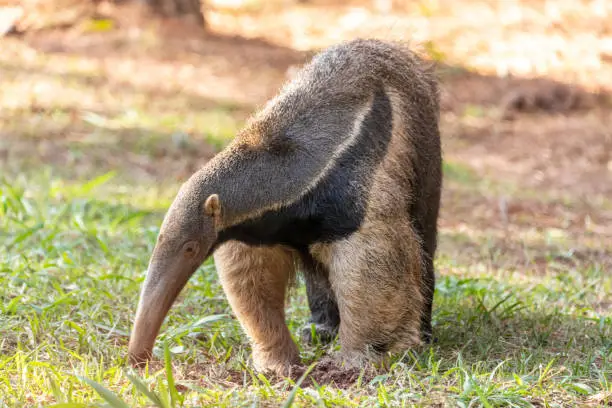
x=142, y=388
x=289, y=401
x=98, y=181
x=105, y=393
x=170, y=378
x=26, y=234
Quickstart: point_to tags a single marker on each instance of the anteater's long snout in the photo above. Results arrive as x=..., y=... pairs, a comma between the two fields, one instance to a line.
x=160, y=289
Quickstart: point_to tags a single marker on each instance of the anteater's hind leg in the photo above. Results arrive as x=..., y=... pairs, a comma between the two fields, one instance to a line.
x=255, y=280
x=325, y=317
x=429, y=282
x=376, y=275
x=425, y=223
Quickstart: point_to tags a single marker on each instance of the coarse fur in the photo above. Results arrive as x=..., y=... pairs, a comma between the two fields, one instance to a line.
x=339, y=176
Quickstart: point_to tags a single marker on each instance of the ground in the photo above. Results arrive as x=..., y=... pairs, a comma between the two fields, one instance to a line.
x=101, y=121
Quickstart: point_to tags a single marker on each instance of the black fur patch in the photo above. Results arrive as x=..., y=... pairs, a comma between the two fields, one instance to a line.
x=335, y=208
x=321, y=298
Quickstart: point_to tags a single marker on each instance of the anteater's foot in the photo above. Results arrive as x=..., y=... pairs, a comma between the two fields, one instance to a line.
x=324, y=334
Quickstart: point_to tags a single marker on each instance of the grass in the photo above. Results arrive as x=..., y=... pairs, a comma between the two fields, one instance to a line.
x=95, y=156
x=73, y=260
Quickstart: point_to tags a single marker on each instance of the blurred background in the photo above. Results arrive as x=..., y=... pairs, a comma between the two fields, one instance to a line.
x=154, y=89
x=151, y=90
x=109, y=105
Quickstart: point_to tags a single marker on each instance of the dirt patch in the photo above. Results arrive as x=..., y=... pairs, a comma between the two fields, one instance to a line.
x=462, y=88
x=171, y=54
x=568, y=153
x=328, y=372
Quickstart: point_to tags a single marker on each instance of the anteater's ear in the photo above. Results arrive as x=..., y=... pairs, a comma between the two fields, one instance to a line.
x=212, y=206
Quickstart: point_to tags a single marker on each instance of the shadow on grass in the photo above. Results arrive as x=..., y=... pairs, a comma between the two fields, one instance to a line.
x=527, y=302
x=486, y=324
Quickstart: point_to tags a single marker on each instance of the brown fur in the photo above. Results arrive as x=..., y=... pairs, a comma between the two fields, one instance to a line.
x=381, y=274
x=386, y=309
x=255, y=281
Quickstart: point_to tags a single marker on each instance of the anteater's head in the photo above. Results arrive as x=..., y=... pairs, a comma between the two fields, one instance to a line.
x=187, y=236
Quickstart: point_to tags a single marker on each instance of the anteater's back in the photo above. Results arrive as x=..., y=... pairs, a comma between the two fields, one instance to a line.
x=354, y=106
x=354, y=70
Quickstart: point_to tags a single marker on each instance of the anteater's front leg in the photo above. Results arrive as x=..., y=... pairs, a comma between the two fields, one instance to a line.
x=255, y=281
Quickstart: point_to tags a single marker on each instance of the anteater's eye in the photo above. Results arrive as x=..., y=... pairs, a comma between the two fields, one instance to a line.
x=191, y=248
